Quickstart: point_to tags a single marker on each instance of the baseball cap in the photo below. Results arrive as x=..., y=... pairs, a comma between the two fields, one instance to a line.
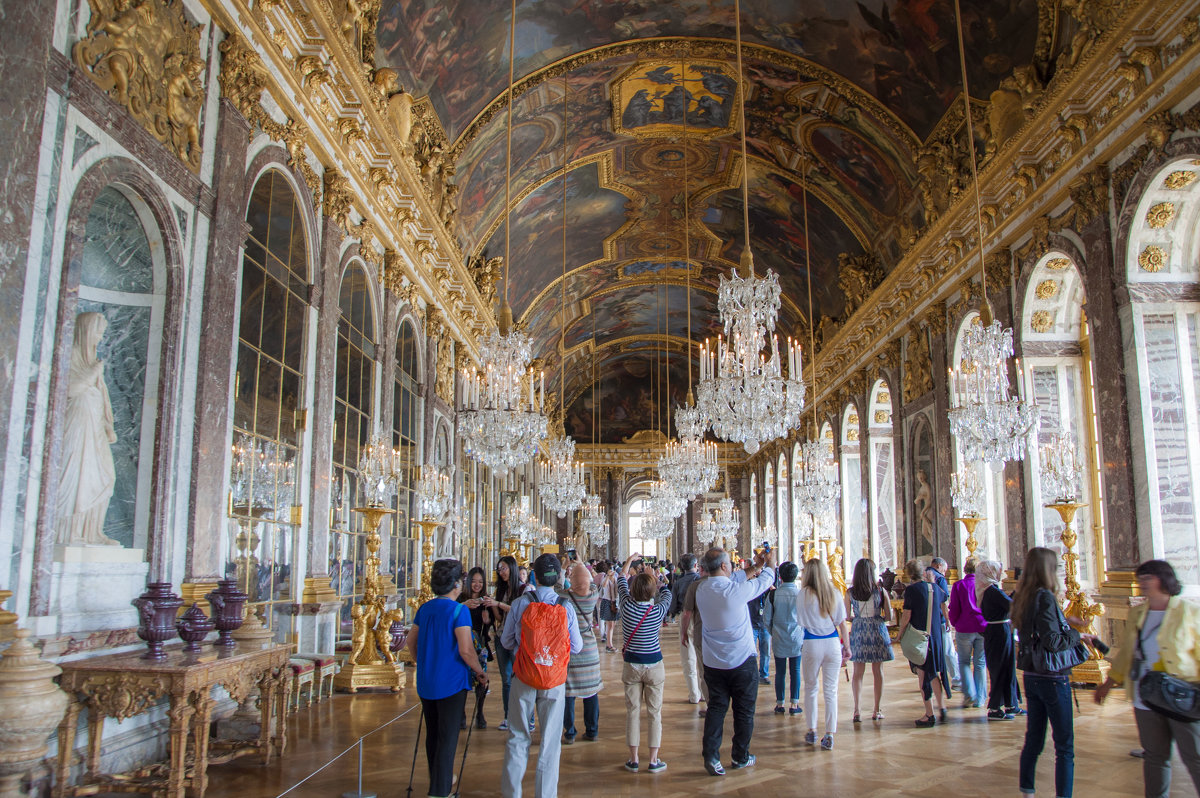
x=544, y=566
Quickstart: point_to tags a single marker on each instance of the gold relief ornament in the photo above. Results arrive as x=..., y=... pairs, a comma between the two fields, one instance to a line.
x=444, y=381
x=1179, y=180
x=1152, y=259
x=338, y=198
x=367, y=235
x=1046, y=289
x=1042, y=321
x=393, y=272
x=145, y=54
x=1160, y=215
x=858, y=277
x=882, y=417
x=1058, y=264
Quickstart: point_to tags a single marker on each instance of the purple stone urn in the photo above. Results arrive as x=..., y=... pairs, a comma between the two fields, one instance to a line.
x=156, y=613
x=193, y=626
x=227, y=605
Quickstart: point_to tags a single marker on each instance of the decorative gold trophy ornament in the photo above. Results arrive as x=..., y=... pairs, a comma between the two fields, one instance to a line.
x=371, y=662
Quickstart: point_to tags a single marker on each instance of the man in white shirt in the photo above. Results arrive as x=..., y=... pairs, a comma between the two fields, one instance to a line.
x=729, y=653
x=524, y=698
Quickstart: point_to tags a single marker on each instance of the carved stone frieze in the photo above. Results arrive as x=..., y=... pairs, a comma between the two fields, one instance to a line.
x=858, y=276
x=935, y=317
x=1089, y=194
x=367, y=234
x=998, y=267
x=918, y=368
x=146, y=55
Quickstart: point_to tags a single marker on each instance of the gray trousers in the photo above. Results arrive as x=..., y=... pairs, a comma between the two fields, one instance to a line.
x=522, y=701
x=1157, y=733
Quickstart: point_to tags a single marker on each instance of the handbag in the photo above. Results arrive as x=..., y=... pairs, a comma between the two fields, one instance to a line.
x=915, y=643
x=1170, y=696
x=1055, y=662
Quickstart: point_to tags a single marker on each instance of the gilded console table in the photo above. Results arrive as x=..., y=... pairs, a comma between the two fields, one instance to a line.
x=124, y=685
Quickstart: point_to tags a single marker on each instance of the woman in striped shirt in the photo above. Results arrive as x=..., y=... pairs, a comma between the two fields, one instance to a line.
x=644, y=674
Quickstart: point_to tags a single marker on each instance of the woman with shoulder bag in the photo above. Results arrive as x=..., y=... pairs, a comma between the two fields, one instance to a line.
x=1162, y=635
x=643, y=605
x=1049, y=649
x=781, y=617
x=583, y=671
x=924, y=608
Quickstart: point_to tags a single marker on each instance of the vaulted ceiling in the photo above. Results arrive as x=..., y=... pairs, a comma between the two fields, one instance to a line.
x=634, y=104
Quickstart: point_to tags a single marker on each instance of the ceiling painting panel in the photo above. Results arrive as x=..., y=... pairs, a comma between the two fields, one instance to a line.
x=635, y=390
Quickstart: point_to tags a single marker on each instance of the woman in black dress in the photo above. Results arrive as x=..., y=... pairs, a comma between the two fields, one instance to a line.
x=481, y=625
x=934, y=680
x=999, y=652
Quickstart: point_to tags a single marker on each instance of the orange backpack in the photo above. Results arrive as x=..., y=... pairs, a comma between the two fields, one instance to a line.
x=545, y=649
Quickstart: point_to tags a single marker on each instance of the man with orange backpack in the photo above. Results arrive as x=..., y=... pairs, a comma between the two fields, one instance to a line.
x=544, y=634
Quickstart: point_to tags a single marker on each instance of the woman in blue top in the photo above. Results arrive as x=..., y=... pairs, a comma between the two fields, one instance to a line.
x=440, y=643
x=787, y=636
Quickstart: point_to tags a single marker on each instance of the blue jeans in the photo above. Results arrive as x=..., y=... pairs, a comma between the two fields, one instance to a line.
x=1048, y=700
x=971, y=666
x=591, y=716
x=784, y=667
x=504, y=661
x=762, y=639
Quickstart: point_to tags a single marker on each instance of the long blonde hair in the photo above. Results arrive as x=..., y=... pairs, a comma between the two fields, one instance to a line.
x=817, y=580
x=1040, y=572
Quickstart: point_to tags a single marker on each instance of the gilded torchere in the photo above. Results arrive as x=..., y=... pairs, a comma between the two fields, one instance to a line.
x=371, y=662
x=1095, y=670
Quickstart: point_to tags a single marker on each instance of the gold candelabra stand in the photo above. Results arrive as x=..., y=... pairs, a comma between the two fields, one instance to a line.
x=425, y=592
x=371, y=662
x=1095, y=670
x=969, y=523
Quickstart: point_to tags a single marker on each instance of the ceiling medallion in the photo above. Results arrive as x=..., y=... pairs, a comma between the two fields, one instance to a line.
x=1153, y=259
x=1046, y=289
x=1058, y=264
x=1179, y=180
x=1161, y=215
x=1042, y=321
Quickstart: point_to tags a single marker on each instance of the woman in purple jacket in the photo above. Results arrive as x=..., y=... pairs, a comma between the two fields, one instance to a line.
x=968, y=625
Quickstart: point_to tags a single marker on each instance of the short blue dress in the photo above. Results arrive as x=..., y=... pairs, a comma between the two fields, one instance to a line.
x=869, y=639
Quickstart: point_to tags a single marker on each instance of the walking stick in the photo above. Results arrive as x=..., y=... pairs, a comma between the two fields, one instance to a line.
x=416, y=745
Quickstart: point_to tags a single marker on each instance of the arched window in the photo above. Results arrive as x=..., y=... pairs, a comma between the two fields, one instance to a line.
x=123, y=279
x=268, y=400
x=1057, y=372
x=853, y=511
x=990, y=534
x=1164, y=252
x=406, y=425
x=768, y=503
x=883, y=476
x=636, y=515
x=354, y=400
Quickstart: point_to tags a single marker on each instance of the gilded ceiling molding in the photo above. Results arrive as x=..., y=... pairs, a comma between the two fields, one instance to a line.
x=695, y=48
x=146, y=57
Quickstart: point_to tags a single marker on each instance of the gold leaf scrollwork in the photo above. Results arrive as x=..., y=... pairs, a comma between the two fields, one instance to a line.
x=1046, y=289
x=1042, y=321
x=1160, y=215
x=337, y=198
x=393, y=271
x=1153, y=259
x=1179, y=180
x=122, y=695
x=367, y=235
x=1058, y=264
x=145, y=54
x=444, y=383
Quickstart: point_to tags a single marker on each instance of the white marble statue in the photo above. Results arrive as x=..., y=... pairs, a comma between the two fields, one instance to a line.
x=87, y=475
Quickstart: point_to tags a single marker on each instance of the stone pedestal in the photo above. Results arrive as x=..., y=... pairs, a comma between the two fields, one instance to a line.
x=91, y=587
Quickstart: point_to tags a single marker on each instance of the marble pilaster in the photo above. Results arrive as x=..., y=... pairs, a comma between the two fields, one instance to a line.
x=217, y=349
x=945, y=534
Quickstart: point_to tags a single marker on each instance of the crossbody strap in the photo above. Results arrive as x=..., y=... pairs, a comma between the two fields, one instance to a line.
x=929, y=614
x=580, y=613
x=633, y=634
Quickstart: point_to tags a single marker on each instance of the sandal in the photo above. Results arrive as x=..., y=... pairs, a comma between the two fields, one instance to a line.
x=856, y=718
x=877, y=715
x=610, y=649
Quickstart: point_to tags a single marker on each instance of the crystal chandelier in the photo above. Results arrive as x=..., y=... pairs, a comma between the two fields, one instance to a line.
x=261, y=477
x=500, y=421
x=743, y=392
x=518, y=524
x=560, y=478
x=593, y=523
x=706, y=527
x=966, y=491
x=1061, y=470
x=663, y=507
x=817, y=488
x=990, y=425
x=689, y=465
x=378, y=472
x=434, y=491
x=729, y=519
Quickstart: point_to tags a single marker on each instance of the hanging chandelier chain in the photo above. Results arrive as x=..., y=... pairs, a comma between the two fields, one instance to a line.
x=962, y=63
x=747, y=257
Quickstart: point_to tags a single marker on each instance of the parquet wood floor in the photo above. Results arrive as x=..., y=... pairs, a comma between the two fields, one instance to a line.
x=967, y=756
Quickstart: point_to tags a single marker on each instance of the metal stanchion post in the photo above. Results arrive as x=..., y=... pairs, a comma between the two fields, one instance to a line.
x=359, y=793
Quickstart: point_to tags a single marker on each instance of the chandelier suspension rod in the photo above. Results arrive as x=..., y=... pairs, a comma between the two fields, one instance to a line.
x=985, y=310
x=812, y=335
x=747, y=257
x=512, y=61
x=562, y=302
x=687, y=248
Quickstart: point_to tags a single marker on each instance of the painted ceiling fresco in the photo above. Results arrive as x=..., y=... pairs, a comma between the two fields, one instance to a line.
x=638, y=103
x=635, y=392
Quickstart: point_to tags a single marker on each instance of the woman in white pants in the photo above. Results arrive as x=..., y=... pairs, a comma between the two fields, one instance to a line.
x=822, y=614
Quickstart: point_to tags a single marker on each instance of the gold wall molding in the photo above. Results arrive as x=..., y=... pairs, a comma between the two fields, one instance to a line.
x=145, y=54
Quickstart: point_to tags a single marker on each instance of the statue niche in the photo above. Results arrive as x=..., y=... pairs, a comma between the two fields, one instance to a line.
x=146, y=55
x=87, y=475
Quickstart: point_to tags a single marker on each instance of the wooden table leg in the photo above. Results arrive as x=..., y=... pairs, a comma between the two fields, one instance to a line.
x=95, y=734
x=266, y=704
x=201, y=723
x=180, y=714
x=66, y=747
x=282, y=690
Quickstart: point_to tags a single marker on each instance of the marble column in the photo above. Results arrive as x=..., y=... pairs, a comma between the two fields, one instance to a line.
x=1102, y=275
x=218, y=348
x=945, y=533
